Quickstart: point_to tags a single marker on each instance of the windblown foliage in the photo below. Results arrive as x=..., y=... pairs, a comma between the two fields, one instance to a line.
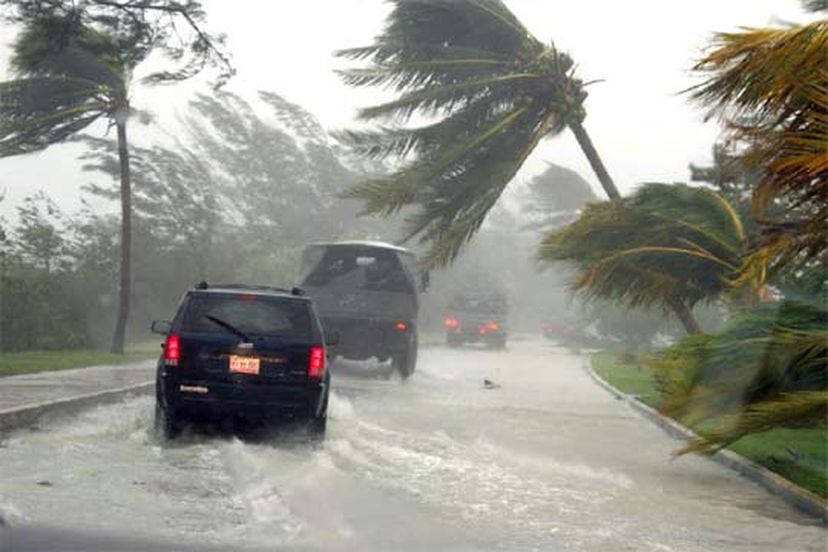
x=767, y=368
x=554, y=198
x=64, y=86
x=770, y=86
x=665, y=245
x=490, y=91
x=137, y=28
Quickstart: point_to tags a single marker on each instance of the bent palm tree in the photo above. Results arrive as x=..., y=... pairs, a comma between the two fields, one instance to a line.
x=493, y=91
x=770, y=86
x=69, y=76
x=667, y=245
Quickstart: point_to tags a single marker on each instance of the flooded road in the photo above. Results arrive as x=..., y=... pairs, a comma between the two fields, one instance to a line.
x=546, y=461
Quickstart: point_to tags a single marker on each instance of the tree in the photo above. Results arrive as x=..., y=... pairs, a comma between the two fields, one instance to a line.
x=175, y=195
x=667, y=245
x=175, y=27
x=69, y=77
x=275, y=177
x=770, y=88
x=727, y=175
x=768, y=368
x=38, y=232
x=73, y=63
x=815, y=5
x=39, y=309
x=555, y=197
x=493, y=91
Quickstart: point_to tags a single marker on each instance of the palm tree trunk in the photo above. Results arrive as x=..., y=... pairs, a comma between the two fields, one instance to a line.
x=126, y=239
x=685, y=316
x=594, y=159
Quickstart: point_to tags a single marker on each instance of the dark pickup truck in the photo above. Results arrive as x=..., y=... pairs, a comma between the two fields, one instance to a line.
x=366, y=294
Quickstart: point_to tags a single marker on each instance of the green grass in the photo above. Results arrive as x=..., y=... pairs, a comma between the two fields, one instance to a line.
x=626, y=377
x=41, y=361
x=799, y=455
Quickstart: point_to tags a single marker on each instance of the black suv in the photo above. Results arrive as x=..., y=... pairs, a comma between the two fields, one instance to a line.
x=235, y=351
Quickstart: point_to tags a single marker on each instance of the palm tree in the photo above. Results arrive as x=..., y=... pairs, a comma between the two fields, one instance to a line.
x=768, y=367
x=69, y=76
x=490, y=92
x=667, y=245
x=770, y=88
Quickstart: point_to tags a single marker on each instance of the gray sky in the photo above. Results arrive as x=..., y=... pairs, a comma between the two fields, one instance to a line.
x=642, y=49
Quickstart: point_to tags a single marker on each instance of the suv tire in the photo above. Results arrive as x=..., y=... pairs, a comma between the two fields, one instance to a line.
x=167, y=425
x=318, y=424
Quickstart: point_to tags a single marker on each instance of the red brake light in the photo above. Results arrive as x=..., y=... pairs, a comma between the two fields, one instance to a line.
x=452, y=323
x=316, y=363
x=489, y=327
x=401, y=326
x=172, y=350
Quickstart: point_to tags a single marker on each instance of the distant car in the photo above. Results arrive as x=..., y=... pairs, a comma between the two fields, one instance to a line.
x=563, y=332
x=557, y=330
x=367, y=293
x=477, y=316
x=236, y=351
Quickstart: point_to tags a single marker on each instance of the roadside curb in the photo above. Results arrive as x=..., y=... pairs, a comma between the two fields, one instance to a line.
x=774, y=483
x=17, y=418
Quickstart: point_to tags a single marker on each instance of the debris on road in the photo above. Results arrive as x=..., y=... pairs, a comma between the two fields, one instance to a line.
x=489, y=384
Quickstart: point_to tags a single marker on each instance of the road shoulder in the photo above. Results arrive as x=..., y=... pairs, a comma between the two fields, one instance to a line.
x=772, y=482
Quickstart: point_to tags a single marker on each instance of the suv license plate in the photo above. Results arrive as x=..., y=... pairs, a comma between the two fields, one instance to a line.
x=244, y=365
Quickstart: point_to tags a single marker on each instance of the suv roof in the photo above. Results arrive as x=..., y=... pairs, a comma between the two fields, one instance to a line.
x=295, y=293
x=363, y=243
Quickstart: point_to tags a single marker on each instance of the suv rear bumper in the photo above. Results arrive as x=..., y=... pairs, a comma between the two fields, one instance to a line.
x=204, y=399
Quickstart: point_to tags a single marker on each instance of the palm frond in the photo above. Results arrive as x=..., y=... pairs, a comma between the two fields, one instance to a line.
x=749, y=376
x=663, y=244
x=38, y=112
x=404, y=186
x=445, y=99
x=418, y=74
x=770, y=87
x=788, y=408
x=66, y=91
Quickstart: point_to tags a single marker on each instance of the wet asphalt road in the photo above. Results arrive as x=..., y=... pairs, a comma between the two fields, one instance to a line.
x=547, y=461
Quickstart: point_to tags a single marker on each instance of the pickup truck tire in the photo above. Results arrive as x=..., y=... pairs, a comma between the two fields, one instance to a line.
x=405, y=361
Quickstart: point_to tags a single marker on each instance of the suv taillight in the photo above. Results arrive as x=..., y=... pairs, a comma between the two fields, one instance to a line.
x=316, y=363
x=172, y=350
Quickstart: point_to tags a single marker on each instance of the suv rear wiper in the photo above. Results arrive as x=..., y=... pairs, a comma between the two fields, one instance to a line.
x=229, y=327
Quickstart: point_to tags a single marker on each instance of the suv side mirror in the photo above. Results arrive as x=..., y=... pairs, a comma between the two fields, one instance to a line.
x=162, y=327
x=332, y=338
x=425, y=281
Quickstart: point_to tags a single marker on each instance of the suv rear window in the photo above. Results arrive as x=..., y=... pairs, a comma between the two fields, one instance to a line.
x=250, y=314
